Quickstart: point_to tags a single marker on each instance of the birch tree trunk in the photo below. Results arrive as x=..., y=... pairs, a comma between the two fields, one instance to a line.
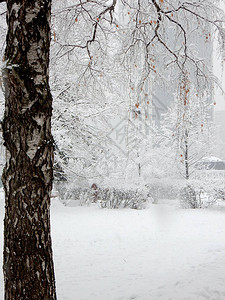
x=27, y=177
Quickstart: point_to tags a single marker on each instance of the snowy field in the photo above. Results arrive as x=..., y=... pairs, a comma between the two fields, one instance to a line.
x=159, y=253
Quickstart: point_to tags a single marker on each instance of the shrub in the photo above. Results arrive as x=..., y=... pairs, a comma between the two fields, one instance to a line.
x=106, y=197
x=189, y=198
x=113, y=198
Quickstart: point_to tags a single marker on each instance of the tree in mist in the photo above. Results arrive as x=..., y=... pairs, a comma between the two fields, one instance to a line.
x=186, y=131
x=115, y=54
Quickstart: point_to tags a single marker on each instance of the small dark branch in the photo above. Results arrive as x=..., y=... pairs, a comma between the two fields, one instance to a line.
x=201, y=17
x=95, y=21
x=92, y=39
x=109, y=9
x=149, y=43
x=68, y=8
x=168, y=49
x=158, y=9
x=159, y=19
x=185, y=37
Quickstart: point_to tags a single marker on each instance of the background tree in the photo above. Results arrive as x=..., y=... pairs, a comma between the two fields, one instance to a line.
x=124, y=52
x=87, y=94
x=27, y=177
x=193, y=126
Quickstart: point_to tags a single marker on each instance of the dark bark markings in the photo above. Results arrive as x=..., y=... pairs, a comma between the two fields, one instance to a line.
x=28, y=264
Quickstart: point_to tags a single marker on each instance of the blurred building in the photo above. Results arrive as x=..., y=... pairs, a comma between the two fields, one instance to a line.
x=219, y=120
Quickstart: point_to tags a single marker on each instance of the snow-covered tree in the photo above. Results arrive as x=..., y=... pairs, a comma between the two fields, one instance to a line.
x=113, y=54
x=193, y=126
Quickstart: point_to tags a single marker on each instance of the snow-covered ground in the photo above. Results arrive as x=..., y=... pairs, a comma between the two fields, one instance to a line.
x=159, y=253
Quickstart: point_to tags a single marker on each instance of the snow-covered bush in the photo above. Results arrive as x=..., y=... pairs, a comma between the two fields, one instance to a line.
x=113, y=198
x=72, y=195
x=84, y=197
x=220, y=194
x=189, y=198
x=105, y=197
x=209, y=188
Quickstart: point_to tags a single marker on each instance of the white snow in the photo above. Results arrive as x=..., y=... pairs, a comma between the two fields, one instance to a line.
x=163, y=252
x=211, y=159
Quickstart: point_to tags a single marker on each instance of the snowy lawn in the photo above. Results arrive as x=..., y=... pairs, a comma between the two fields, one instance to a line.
x=159, y=253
